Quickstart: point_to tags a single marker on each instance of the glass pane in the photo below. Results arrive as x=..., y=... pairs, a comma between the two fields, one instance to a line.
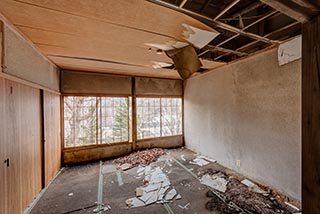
x=80, y=121
x=148, y=118
x=114, y=119
x=171, y=116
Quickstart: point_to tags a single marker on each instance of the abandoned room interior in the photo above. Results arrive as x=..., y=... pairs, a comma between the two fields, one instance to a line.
x=160, y=106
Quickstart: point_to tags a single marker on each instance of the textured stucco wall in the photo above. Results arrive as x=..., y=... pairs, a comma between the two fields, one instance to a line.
x=249, y=111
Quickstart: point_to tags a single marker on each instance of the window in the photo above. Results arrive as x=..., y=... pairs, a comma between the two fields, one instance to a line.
x=158, y=117
x=95, y=120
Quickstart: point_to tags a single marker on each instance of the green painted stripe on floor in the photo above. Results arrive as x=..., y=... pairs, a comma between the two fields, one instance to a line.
x=186, y=168
x=100, y=185
x=119, y=177
x=168, y=208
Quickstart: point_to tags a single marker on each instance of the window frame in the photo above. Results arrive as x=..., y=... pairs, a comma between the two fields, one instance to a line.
x=83, y=147
x=182, y=117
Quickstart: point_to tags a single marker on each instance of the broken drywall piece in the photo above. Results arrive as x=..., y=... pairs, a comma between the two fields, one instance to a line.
x=182, y=158
x=152, y=187
x=290, y=51
x=253, y=187
x=185, y=207
x=170, y=195
x=158, y=65
x=154, y=192
x=178, y=197
x=199, y=38
x=126, y=166
x=215, y=181
x=134, y=202
x=199, y=162
x=207, y=158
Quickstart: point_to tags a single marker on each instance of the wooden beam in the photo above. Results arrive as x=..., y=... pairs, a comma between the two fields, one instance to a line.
x=225, y=50
x=311, y=116
x=226, y=9
x=183, y=3
x=1, y=46
x=285, y=9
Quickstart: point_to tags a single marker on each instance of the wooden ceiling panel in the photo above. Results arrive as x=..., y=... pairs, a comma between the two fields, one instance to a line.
x=138, y=14
x=104, y=31
x=112, y=68
x=51, y=43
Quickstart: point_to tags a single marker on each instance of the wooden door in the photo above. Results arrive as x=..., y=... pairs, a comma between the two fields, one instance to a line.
x=3, y=156
x=23, y=142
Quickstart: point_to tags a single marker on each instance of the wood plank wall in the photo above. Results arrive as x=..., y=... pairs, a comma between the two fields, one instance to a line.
x=3, y=167
x=52, y=137
x=311, y=116
x=22, y=132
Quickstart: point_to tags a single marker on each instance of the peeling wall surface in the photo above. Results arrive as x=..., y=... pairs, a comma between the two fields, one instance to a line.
x=249, y=111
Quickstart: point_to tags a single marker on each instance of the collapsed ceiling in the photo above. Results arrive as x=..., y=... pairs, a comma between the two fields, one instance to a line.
x=129, y=37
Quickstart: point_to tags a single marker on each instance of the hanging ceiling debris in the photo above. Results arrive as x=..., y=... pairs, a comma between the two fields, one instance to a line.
x=111, y=37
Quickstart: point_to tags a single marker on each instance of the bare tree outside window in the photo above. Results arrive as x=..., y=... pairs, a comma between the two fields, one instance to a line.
x=95, y=120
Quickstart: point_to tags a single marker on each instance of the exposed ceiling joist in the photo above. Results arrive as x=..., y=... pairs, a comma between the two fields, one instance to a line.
x=226, y=9
x=225, y=50
x=215, y=22
x=248, y=26
x=299, y=10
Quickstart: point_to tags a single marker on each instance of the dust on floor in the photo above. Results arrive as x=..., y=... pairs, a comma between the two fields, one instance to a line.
x=178, y=181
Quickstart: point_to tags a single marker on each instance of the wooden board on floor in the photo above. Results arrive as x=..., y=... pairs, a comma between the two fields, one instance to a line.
x=52, y=137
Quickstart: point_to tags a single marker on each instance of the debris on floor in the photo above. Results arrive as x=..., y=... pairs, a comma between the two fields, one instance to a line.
x=142, y=158
x=182, y=158
x=199, y=162
x=202, y=160
x=215, y=181
x=157, y=188
x=70, y=194
x=185, y=207
x=254, y=187
x=126, y=166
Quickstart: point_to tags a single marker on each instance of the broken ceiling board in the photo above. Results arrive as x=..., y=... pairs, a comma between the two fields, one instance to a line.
x=96, y=31
x=290, y=51
x=126, y=13
x=112, y=68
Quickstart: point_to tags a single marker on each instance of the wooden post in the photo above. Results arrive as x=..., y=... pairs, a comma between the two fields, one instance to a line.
x=134, y=114
x=311, y=116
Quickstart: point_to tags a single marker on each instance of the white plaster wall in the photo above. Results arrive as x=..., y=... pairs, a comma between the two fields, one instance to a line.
x=249, y=111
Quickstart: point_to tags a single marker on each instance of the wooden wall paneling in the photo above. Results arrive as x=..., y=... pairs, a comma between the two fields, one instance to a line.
x=311, y=116
x=3, y=155
x=23, y=145
x=52, y=137
x=30, y=140
x=13, y=116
